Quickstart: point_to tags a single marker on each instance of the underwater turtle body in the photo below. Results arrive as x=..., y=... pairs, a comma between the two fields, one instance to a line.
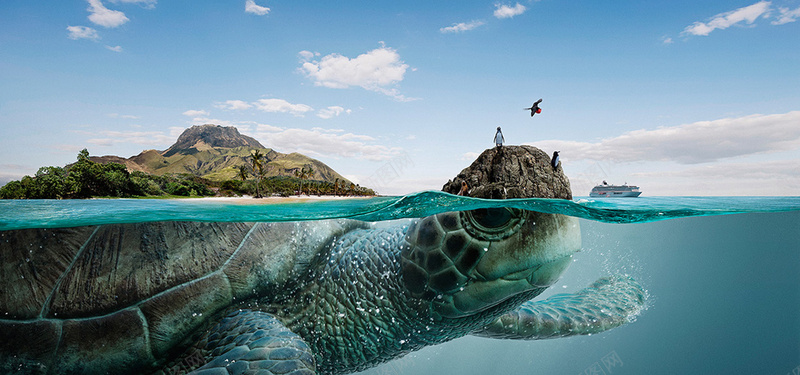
x=322, y=297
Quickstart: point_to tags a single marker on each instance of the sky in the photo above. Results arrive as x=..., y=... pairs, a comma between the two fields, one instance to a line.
x=680, y=98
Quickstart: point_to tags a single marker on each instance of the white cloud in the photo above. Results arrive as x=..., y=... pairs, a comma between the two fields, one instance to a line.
x=721, y=21
x=470, y=156
x=102, y=142
x=787, y=16
x=201, y=120
x=699, y=142
x=332, y=112
x=100, y=15
x=10, y=172
x=82, y=32
x=735, y=171
x=771, y=177
x=308, y=55
x=250, y=6
x=337, y=131
x=667, y=40
x=376, y=70
x=234, y=105
x=505, y=11
x=115, y=49
x=280, y=105
x=147, y=4
x=461, y=27
x=175, y=131
x=317, y=142
x=320, y=142
x=261, y=128
x=195, y=113
x=145, y=138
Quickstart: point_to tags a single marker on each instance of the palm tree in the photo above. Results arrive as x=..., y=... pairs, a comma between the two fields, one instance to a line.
x=336, y=187
x=258, y=169
x=303, y=173
x=242, y=172
x=308, y=173
x=299, y=174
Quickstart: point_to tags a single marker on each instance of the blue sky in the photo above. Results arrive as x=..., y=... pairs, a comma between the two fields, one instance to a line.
x=680, y=98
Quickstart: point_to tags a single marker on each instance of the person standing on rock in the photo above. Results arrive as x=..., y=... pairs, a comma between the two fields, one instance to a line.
x=498, y=138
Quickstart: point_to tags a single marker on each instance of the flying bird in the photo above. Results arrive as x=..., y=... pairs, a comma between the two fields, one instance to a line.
x=535, y=108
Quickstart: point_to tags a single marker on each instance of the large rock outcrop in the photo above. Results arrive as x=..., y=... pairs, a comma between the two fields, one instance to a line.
x=512, y=172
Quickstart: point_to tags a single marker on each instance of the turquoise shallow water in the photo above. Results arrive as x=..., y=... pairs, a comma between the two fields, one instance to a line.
x=18, y=214
x=722, y=275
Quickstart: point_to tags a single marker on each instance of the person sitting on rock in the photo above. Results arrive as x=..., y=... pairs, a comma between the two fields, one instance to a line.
x=464, y=189
x=498, y=138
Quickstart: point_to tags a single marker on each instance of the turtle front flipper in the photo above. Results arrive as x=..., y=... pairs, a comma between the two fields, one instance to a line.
x=607, y=303
x=254, y=342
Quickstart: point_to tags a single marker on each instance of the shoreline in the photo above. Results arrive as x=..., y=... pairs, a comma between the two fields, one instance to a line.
x=273, y=200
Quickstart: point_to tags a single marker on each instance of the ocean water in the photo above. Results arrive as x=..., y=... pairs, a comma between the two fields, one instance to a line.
x=722, y=275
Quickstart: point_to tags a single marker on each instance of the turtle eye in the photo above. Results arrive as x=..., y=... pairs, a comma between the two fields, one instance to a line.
x=492, y=223
x=490, y=218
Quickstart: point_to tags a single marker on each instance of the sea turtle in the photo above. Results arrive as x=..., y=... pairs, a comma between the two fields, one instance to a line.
x=325, y=297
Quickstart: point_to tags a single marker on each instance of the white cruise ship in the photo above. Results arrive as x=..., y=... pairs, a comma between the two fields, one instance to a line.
x=615, y=191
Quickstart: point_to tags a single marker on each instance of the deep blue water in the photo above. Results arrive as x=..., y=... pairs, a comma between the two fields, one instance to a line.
x=722, y=274
x=724, y=298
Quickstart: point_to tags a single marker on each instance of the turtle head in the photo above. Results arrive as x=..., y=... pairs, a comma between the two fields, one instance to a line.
x=472, y=261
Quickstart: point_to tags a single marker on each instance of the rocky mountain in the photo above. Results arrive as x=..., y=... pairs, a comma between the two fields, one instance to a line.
x=216, y=152
x=207, y=137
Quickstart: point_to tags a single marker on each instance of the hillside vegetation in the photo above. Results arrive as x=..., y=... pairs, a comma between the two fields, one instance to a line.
x=87, y=179
x=216, y=153
x=206, y=160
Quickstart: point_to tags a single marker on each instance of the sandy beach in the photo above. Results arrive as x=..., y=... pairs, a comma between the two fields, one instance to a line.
x=273, y=200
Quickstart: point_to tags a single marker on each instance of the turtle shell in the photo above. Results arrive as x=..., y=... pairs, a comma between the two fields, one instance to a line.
x=126, y=296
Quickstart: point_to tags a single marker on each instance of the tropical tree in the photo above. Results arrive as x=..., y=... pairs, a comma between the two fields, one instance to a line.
x=336, y=186
x=308, y=173
x=303, y=173
x=257, y=159
x=242, y=173
x=299, y=174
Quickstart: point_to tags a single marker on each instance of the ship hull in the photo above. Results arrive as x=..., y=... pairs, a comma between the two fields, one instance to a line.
x=615, y=191
x=615, y=194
